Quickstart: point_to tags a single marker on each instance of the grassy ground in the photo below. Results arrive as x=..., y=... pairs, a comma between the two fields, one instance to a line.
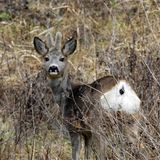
x=114, y=37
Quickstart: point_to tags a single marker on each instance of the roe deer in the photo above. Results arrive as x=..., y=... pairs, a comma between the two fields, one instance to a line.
x=107, y=92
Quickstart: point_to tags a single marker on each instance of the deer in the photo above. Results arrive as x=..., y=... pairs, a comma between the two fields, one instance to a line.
x=77, y=100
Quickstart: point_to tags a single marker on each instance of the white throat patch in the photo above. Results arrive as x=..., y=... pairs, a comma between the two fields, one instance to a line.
x=121, y=98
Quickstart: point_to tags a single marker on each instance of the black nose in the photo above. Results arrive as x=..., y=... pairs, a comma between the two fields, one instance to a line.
x=53, y=69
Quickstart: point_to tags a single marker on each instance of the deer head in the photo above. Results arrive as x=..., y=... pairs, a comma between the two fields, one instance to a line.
x=55, y=56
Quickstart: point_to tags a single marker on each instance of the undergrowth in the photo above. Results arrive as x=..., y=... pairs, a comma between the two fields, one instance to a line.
x=114, y=37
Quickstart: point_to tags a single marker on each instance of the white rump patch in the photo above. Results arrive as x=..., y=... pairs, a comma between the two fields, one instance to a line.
x=121, y=98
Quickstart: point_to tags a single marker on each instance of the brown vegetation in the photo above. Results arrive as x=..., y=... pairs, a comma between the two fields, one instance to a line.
x=114, y=37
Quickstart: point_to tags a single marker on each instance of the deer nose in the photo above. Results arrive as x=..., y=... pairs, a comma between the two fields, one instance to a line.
x=53, y=69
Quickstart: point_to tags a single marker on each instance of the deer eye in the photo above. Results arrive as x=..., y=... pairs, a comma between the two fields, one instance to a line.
x=61, y=59
x=46, y=59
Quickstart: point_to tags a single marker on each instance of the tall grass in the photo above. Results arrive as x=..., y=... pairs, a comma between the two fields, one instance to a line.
x=114, y=37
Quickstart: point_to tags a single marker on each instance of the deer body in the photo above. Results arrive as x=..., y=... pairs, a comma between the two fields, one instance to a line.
x=77, y=101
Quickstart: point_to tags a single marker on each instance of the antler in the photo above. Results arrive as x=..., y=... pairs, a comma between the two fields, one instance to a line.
x=50, y=41
x=58, y=40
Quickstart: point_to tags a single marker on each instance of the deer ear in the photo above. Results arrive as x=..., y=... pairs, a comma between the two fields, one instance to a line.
x=70, y=46
x=40, y=46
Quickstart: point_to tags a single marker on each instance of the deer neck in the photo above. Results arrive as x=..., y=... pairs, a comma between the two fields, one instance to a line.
x=61, y=88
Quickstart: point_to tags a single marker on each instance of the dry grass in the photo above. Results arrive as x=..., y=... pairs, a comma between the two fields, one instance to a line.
x=114, y=37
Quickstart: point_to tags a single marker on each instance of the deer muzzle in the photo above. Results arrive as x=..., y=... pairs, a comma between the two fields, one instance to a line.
x=53, y=70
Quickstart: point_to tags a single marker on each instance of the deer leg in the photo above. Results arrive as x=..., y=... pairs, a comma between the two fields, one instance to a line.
x=88, y=146
x=99, y=147
x=76, y=145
